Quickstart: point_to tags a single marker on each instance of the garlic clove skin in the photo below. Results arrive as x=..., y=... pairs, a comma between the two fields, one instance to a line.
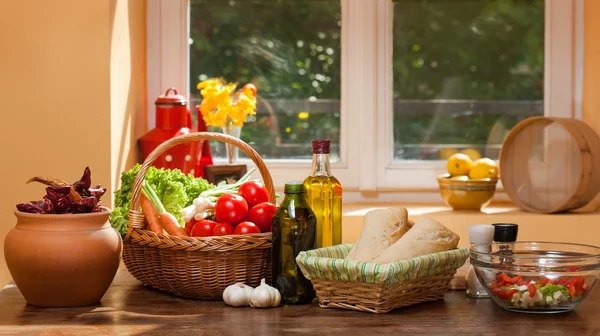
x=237, y=295
x=265, y=296
x=277, y=300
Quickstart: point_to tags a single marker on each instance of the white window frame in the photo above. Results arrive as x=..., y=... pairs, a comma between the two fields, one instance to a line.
x=365, y=167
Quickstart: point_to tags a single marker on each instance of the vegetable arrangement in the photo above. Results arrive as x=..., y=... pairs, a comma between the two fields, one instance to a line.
x=181, y=205
x=157, y=216
x=545, y=293
x=241, y=295
x=241, y=208
x=64, y=198
x=174, y=189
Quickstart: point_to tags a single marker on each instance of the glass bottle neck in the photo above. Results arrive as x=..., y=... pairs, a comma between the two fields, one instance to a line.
x=296, y=199
x=320, y=165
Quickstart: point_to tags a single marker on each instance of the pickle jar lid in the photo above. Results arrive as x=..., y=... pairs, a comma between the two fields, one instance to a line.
x=293, y=187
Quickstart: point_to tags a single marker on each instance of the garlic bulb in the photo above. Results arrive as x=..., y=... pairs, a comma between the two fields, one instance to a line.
x=237, y=295
x=265, y=296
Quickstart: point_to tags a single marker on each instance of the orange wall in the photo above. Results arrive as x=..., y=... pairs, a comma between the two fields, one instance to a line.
x=127, y=83
x=591, y=78
x=70, y=90
x=590, y=110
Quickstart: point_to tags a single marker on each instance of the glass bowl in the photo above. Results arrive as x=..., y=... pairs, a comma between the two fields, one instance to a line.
x=536, y=277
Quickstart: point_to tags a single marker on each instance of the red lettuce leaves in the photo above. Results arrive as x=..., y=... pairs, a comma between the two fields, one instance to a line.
x=68, y=199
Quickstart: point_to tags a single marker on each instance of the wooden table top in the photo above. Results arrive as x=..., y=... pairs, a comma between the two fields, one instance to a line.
x=128, y=308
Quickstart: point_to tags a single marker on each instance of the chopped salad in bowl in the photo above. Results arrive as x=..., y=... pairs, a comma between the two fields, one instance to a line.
x=545, y=293
x=537, y=277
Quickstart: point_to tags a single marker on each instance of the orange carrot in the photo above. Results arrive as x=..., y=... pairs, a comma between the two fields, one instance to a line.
x=161, y=215
x=151, y=215
x=171, y=225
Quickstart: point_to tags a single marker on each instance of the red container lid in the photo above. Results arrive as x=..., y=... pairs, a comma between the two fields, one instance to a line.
x=174, y=99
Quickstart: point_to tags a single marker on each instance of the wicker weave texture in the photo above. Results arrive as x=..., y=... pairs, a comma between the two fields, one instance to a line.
x=193, y=267
x=377, y=298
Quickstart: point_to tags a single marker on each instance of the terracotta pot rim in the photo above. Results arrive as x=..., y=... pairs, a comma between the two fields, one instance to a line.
x=106, y=212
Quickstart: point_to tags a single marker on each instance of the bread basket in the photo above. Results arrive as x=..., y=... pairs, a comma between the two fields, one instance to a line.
x=378, y=288
x=194, y=267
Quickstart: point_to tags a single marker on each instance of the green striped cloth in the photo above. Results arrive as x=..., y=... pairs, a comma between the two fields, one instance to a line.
x=329, y=263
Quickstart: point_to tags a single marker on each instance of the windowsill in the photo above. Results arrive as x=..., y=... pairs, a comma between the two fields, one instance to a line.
x=566, y=227
x=532, y=226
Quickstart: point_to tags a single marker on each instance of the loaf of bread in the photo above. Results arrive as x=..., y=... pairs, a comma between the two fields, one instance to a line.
x=425, y=237
x=382, y=228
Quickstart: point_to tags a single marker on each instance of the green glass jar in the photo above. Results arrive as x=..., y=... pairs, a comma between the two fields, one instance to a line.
x=294, y=228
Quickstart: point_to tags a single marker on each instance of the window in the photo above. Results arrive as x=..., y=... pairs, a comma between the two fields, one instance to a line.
x=291, y=50
x=464, y=73
x=396, y=85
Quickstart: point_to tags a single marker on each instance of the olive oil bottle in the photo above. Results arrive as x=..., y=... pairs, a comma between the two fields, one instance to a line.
x=294, y=226
x=324, y=196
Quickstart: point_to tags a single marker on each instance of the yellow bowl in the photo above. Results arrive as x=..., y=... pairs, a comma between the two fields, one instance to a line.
x=465, y=194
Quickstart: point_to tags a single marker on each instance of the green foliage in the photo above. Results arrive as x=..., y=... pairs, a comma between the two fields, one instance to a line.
x=290, y=49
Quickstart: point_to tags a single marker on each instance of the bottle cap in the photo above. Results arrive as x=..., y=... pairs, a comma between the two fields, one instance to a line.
x=293, y=187
x=320, y=146
x=505, y=232
x=481, y=234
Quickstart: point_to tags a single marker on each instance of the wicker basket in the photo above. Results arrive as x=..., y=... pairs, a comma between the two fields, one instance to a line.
x=193, y=267
x=378, y=288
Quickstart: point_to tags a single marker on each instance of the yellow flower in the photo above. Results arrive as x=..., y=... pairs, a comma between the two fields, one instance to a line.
x=220, y=104
x=209, y=82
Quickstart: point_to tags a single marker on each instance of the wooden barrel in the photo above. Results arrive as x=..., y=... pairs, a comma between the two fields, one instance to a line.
x=550, y=165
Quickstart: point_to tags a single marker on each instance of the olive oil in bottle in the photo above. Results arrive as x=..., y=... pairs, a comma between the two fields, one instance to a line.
x=294, y=226
x=324, y=196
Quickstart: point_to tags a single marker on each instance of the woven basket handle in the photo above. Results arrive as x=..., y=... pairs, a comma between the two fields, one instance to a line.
x=136, y=217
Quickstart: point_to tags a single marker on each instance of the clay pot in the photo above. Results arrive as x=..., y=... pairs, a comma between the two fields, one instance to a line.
x=63, y=260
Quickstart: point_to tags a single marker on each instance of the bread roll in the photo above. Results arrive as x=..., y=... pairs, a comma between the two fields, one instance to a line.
x=382, y=228
x=425, y=237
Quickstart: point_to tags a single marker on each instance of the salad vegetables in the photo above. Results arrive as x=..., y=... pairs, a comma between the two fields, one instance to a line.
x=239, y=208
x=203, y=205
x=538, y=294
x=175, y=190
x=178, y=204
x=157, y=216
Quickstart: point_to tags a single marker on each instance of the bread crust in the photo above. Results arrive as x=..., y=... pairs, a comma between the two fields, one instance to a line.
x=425, y=237
x=382, y=228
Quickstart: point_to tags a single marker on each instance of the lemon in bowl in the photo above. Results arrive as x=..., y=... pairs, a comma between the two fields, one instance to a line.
x=459, y=164
x=468, y=185
x=483, y=168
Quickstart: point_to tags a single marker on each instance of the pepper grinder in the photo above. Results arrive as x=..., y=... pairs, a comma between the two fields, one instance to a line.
x=505, y=235
x=480, y=237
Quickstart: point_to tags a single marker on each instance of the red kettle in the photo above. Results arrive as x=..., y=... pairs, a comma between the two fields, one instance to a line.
x=172, y=119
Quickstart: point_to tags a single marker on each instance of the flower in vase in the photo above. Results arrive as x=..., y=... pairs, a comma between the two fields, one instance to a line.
x=223, y=106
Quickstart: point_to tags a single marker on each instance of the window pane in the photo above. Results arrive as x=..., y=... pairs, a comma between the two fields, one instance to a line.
x=290, y=49
x=465, y=72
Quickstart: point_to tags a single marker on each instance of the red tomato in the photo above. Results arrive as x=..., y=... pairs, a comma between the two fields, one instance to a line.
x=203, y=228
x=262, y=215
x=250, y=87
x=189, y=225
x=231, y=208
x=254, y=193
x=223, y=229
x=246, y=228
